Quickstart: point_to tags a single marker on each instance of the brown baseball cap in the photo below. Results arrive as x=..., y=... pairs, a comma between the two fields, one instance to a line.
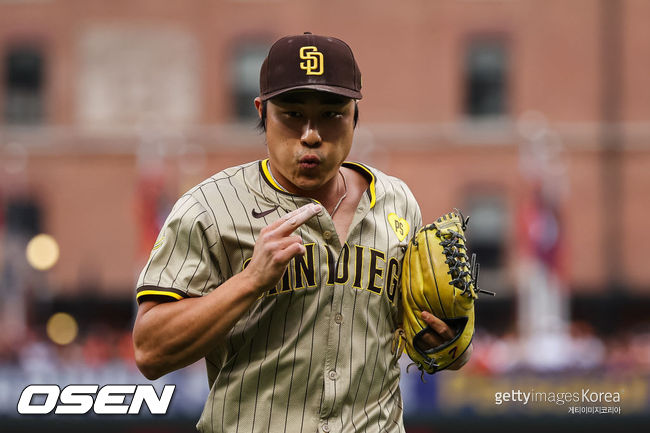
x=310, y=62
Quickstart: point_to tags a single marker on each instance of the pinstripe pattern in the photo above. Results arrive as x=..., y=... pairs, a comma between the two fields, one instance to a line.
x=303, y=355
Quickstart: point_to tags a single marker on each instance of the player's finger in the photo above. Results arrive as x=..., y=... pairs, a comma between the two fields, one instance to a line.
x=295, y=221
x=286, y=216
x=291, y=251
x=429, y=340
x=437, y=325
x=283, y=243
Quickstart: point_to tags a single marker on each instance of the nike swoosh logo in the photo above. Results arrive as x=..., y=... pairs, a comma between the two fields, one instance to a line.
x=257, y=214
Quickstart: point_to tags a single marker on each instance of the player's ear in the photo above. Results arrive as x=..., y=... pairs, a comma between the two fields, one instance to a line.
x=258, y=106
x=261, y=112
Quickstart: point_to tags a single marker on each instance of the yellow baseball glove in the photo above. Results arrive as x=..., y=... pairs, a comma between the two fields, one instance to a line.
x=437, y=277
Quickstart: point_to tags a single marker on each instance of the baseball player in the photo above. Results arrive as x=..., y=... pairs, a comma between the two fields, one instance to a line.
x=284, y=273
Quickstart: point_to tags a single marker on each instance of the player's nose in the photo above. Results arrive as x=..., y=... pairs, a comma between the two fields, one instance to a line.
x=310, y=136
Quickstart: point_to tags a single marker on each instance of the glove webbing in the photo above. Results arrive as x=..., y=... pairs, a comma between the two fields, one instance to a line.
x=457, y=259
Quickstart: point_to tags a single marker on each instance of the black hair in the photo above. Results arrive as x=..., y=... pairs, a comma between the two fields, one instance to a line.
x=261, y=125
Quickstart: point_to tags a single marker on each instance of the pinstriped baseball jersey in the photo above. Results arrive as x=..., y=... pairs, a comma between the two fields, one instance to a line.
x=314, y=352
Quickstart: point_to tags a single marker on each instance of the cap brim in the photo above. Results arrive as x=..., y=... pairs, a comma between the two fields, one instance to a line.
x=348, y=93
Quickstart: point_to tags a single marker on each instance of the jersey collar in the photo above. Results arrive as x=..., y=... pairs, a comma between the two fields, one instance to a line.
x=365, y=172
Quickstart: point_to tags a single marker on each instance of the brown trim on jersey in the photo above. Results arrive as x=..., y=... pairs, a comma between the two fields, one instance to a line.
x=146, y=291
x=356, y=166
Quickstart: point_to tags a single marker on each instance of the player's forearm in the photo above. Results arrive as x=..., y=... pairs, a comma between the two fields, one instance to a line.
x=172, y=335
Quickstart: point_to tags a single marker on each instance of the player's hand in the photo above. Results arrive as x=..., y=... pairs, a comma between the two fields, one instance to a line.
x=440, y=333
x=276, y=246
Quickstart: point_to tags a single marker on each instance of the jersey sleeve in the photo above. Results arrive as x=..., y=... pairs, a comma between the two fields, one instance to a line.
x=180, y=264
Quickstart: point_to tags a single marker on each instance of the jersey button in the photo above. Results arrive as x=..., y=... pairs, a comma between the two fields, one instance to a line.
x=333, y=375
x=326, y=428
x=327, y=234
x=338, y=318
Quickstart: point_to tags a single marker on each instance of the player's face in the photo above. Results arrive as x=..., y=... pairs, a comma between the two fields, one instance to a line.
x=309, y=134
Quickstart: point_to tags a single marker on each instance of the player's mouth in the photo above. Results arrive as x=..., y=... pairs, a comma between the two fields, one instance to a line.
x=309, y=162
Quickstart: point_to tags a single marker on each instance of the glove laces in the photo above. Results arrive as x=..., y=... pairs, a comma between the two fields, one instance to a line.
x=460, y=266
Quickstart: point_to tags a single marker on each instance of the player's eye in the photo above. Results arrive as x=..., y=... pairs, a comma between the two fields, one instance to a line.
x=293, y=114
x=332, y=114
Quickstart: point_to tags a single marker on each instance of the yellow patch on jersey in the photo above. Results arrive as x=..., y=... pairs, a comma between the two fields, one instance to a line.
x=399, y=225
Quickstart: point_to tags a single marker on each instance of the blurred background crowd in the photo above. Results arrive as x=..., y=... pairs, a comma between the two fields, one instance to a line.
x=532, y=116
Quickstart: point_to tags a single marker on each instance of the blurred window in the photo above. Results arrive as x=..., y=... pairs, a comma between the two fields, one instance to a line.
x=485, y=79
x=487, y=230
x=137, y=75
x=23, y=216
x=23, y=86
x=246, y=79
